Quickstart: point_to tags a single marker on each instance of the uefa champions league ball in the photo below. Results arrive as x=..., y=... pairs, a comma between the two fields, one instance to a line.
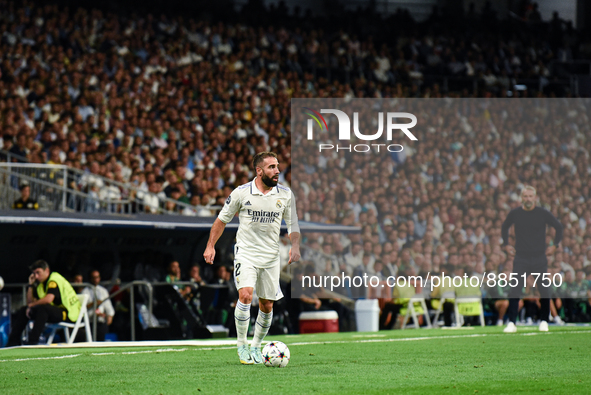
x=276, y=354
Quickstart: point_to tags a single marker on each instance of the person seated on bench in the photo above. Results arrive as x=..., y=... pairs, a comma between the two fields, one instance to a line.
x=50, y=298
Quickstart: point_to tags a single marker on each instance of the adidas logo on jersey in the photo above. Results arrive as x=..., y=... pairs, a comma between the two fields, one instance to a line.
x=247, y=203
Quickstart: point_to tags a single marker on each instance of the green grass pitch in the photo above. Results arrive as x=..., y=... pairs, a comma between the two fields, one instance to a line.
x=476, y=361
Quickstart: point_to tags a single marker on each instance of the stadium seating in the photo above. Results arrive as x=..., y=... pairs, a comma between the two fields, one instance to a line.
x=414, y=312
x=82, y=322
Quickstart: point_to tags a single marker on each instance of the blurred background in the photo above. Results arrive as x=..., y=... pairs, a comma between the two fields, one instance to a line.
x=125, y=127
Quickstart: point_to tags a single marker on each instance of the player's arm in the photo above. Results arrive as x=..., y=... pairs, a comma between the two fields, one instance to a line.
x=555, y=223
x=505, y=233
x=294, y=251
x=230, y=209
x=216, y=231
x=293, y=228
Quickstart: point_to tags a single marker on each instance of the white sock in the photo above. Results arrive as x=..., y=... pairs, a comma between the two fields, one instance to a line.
x=242, y=319
x=261, y=327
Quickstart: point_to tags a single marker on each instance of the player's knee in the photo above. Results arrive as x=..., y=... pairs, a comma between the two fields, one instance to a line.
x=266, y=305
x=245, y=295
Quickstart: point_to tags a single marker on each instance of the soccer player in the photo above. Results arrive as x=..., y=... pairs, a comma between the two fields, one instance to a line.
x=261, y=204
x=530, y=252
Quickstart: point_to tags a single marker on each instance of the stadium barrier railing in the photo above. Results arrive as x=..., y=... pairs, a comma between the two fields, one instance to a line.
x=124, y=287
x=7, y=156
x=62, y=188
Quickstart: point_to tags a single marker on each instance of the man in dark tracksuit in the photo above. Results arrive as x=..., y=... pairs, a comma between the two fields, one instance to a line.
x=530, y=252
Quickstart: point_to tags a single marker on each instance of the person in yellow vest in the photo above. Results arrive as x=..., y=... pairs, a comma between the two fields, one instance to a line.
x=445, y=287
x=403, y=291
x=25, y=202
x=50, y=298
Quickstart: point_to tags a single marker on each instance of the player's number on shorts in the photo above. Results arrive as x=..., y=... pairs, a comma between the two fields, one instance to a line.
x=237, y=270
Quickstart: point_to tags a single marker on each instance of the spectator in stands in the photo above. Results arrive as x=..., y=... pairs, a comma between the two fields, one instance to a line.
x=92, y=177
x=19, y=149
x=197, y=209
x=110, y=193
x=77, y=278
x=170, y=205
x=92, y=203
x=50, y=298
x=196, y=280
x=303, y=298
x=25, y=202
x=151, y=200
x=318, y=298
x=104, y=310
x=193, y=295
x=224, y=314
x=174, y=276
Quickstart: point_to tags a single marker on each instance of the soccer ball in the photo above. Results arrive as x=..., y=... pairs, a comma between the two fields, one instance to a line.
x=1, y=283
x=276, y=354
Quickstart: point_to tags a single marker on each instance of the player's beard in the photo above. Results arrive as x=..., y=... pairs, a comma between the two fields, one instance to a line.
x=268, y=181
x=529, y=205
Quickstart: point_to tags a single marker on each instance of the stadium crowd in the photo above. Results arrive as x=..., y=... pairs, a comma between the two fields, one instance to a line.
x=440, y=208
x=178, y=107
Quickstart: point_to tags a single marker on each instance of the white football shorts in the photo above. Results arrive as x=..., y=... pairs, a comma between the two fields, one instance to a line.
x=265, y=281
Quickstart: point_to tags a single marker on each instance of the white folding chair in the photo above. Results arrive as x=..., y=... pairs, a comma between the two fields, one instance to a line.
x=410, y=311
x=474, y=299
x=447, y=296
x=82, y=320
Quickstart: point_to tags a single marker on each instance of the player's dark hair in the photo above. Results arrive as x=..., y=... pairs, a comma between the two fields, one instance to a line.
x=40, y=264
x=261, y=156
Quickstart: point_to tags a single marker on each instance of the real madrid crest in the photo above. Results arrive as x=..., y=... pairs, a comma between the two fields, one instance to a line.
x=278, y=204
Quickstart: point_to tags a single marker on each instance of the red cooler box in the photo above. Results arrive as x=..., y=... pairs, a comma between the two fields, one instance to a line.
x=319, y=321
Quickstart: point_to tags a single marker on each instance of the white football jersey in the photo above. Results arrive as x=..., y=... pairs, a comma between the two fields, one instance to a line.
x=257, y=240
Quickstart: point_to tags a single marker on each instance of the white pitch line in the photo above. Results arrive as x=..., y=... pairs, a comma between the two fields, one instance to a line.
x=404, y=339
x=408, y=339
x=458, y=328
x=36, y=359
x=215, y=348
x=97, y=354
x=155, y=351
x=119, y=344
